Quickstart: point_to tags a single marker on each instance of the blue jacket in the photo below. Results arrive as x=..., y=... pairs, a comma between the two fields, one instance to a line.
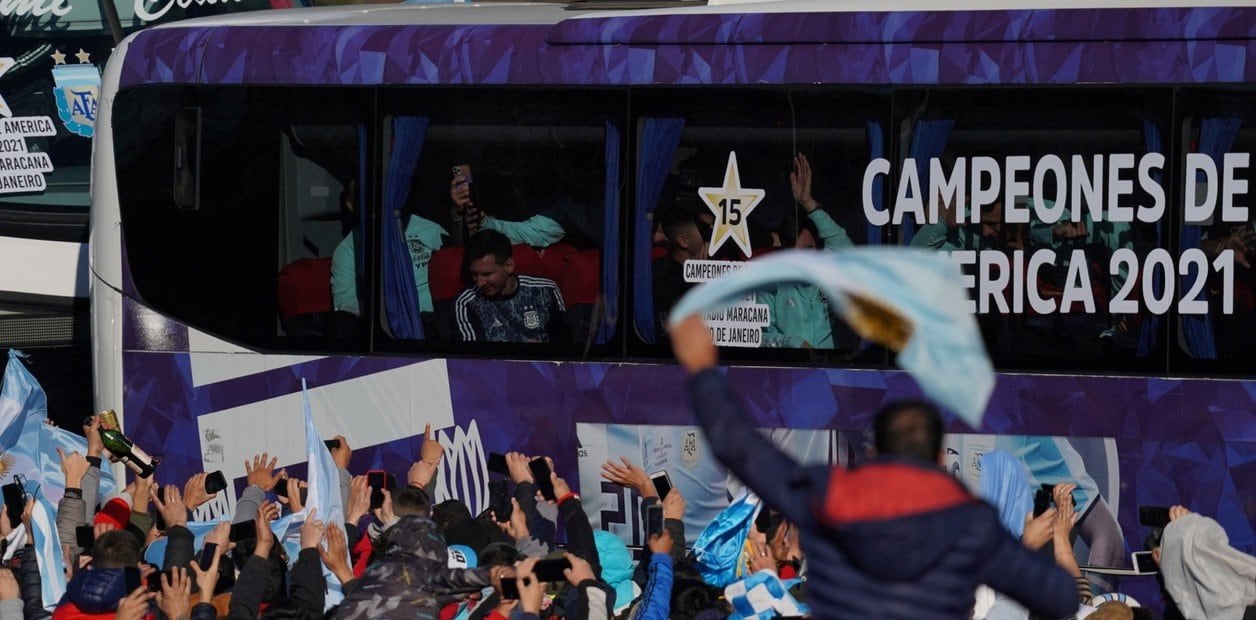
x=96, y=590
x=891, y=539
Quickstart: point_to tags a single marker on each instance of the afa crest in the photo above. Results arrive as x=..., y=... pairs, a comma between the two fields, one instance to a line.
x=77, y=90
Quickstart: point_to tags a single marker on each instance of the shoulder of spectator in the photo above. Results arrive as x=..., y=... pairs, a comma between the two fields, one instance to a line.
x=179, y=532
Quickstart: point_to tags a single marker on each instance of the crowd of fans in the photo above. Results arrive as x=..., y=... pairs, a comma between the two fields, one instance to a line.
x=894, y=538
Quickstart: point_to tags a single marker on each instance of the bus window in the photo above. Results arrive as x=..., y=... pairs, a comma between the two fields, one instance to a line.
x=1046, y=198
x=502, y=200
x=1215, y=288
x=249, y=258
x=724, y=177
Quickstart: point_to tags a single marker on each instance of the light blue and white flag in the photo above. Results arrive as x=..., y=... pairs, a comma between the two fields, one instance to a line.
x=910, y=301
x=48, y=552
x=28, y=446
x=324, y=490
x=717, y=551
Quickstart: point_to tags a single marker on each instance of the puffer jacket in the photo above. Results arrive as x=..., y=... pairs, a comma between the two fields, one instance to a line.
x=91, y=593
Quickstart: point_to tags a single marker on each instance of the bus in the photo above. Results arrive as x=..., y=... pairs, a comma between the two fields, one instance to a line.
x=281, y=199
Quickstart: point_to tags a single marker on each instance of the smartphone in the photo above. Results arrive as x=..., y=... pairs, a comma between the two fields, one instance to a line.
x=1144, y=563
x=215, y=482
x=497, y=464
x=662, y=483
x=15, y=500
x=378, y=480
x=541, y=475
x=510, y=589
x=132, y=577
x=551, y=570
x=281, y=490
x=499, y=501
x=463, y=171
x=206, y=558
x=85, y=538
x=332, y=444
x=653, y=521
x=154, y=580
x=244, y=530
x=1042, y=499
x=1148, y=516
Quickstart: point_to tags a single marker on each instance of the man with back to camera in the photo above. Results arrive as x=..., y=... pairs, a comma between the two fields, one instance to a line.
x=502, y=306
x=893, y=538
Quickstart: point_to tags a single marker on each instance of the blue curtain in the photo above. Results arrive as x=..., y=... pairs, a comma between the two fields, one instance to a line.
x=1216, y=136
x=401, y=297
x=928, y=140
x=360, y=230
x=660, y=138
x=610, y=239
x=876, y=149
x=1148, y=336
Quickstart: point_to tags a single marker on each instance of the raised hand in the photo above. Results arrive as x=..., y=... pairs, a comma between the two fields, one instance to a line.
x=261, y=472
x=267, y=512
x=74, y=466
x=342, y=453
x=674, y=505
x=335, y=553
x=95, y=445
x=800, y=183
x=626, y=473
x=312, y=531
x=359, y=500
x=692, y=345
x=176, y=590
x=194, y=491
x=171, y=508
x=1039, y=529
x=517, y=465
x=135, y=605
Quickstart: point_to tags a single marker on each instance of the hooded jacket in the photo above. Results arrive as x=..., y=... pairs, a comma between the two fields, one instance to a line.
x=93, y=592
x=412, y=578
x=891, y=539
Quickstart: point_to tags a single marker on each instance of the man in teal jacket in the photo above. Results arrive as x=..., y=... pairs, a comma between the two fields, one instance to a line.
x=799, y=312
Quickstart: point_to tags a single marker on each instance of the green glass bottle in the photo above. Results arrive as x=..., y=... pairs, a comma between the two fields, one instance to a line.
x=126, y=451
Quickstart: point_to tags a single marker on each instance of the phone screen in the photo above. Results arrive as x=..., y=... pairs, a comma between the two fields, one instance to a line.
x=653, y=521
x=332, y=444
x=85, y=537
x=377, y=479
x=500, y=501
x=244, y=530
x=541, y=475
x=1153, y=516
x=662, y=483
x=206, y=558
x=14, y=502
x=1144, y=562
x=510, y=589
x=551, y=570
x=497, y=464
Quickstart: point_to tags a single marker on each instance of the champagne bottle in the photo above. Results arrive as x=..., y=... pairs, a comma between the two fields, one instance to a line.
x=126, y=451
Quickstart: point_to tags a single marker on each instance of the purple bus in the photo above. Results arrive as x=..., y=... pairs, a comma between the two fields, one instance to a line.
x=282, y=197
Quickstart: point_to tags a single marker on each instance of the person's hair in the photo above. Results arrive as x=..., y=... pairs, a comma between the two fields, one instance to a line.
x=450, y=511
x=289, y=607
x=487, y=242
x=1142, y=613
x=806, y=223
x=411, y=501
x=910, y=428
x=116, y=549
x=676, y=223
x=499, y=554
x=691, y=597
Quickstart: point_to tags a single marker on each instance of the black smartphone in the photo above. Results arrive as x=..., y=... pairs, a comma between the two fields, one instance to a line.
x=499, y=501
x=215, y=482
x=1153, y=516
x=244, y=530
x=541, y=476
x=332, y=444
x=132, y=577
x=154, y=580
x=497, y=464
x=377, y=479
x=551, y=570
x=85, y=538
x=1144, y=562
x=281, y=490
x=653, y=521
x=662, y=483
x=206, y=558
x=510, y=589
x=15, y=500
x=1042, y=499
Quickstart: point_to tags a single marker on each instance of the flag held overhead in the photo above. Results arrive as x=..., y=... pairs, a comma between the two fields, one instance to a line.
x=910, y=301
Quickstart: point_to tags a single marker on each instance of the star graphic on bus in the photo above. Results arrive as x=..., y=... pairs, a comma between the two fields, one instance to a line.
x=6, y=63
x=731, y=205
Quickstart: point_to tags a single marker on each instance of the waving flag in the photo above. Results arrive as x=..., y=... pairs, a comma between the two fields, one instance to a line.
x=324, y=493
x=910, y=301
x=28, y=446
x=48, y=552
x=717, y=552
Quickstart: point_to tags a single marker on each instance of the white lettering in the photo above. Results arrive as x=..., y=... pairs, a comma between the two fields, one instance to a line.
x=1232, y=186
x=877, y=167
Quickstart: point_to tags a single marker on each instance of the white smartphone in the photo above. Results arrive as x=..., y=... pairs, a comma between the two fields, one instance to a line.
x=662, y=483
x=1144, y=563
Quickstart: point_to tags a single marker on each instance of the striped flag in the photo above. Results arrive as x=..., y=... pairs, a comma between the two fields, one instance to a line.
x=324, y=493
x=910, y=301
x=48, y=552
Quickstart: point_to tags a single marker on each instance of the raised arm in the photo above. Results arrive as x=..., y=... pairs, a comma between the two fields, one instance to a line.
x=770, y=473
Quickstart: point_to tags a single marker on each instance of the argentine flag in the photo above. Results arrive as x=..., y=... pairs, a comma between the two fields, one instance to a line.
x=910, y=301
x=324, y=492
